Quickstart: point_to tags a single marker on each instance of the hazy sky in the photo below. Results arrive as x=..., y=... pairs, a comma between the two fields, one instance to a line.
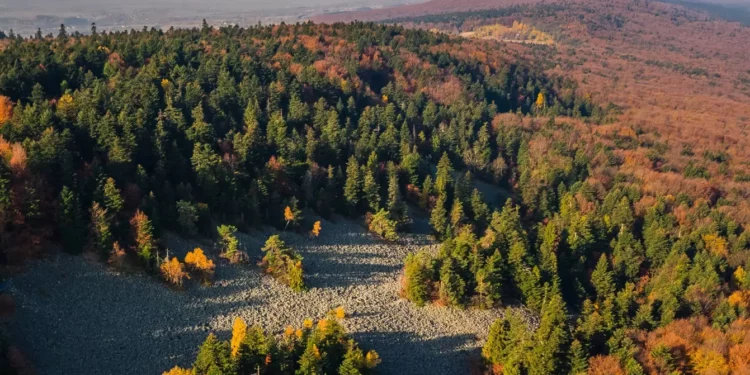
x=99, y=5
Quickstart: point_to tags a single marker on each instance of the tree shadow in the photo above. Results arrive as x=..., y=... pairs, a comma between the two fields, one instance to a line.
x=408, y=353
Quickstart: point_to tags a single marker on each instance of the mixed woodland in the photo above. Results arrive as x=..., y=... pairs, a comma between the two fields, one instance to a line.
x=111, y=140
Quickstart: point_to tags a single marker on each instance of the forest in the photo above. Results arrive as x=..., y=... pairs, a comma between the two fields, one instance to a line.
x=110, y=141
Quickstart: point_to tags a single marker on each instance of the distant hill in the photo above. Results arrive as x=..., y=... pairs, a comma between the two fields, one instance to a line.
x=428, y=7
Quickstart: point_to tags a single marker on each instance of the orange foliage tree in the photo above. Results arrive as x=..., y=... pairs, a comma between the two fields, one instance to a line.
x=173, y=271
x=197, y=261
x=143, y=233
x=316, y=229
x=6, y=109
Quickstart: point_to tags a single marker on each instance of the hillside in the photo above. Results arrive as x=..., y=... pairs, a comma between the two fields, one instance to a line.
x=563, y=185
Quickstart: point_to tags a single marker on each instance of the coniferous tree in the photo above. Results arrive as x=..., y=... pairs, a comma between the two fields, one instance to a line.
x=444, y=177
x=439, y=215
x=452, y=287
x=143, y=235
x=396, y=206
x=71, y=223
x=353, y=185
x=417, y=278
x=602, y=280
x=371, y=190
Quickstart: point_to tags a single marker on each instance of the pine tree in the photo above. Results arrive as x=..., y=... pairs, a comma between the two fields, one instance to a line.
x=71, y=224
x=200, y=131
x=100, y=233
x=213, y=357
x=578, y=359
x=299, y=113
x=550, y=339
x=480, y=211
x=444, y=177
x=396, y=206
x=457, y=215
x=602, y=280
x=112, y=198
x=354, y=361
x=311, y=361
x=439, y=215
x=452, y=287
x=253, y=350
x=371, y=190
x=417, y=270
x=353, y=184
x=424, y=199
x=627, y=256
x=489, y=280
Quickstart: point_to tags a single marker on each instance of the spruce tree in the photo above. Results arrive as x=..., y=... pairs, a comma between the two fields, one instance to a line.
x=371, y=190
x=452, y=286
x=439, y=215
x=396, y=206
x=602, y=280
x=444, y=177
x=353, y=184
x=71, y=224
x=551, y=339
x=417, y=278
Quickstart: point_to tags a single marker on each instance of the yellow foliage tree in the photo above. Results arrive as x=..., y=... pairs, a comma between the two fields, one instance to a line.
x=288, y=216
x=372, y=359
x=66, y=107
x=740, y=277
x=707, y=362
x=715, y=244
x=289, y=331
x=308, y=323
x=198, y=261
x=239, y=330
x=540, y=101
x=316, y=229
x=173, y=271
x=340, y=313
x=739, y=298
x=177, y=370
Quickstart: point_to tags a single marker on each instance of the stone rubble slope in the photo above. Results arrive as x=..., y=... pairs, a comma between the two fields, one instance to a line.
x=76, y=316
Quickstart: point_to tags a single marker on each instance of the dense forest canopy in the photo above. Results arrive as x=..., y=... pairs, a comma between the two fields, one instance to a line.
x=111, y=139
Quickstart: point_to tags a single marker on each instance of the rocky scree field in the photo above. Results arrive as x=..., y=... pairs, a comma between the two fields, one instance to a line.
x=76, y=316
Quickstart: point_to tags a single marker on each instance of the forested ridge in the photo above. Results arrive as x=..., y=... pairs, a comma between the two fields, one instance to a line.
x=110, y=140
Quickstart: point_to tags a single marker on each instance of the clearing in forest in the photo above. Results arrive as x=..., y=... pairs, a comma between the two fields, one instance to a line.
x=77, y=316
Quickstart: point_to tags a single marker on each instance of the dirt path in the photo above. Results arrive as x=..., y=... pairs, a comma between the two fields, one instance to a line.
x=77, y=317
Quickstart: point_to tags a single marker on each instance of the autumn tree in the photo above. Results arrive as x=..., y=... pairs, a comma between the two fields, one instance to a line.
x=6, y=109
x=315, y=232
x=145, y=244
x=197, y=261
x=173, y=271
